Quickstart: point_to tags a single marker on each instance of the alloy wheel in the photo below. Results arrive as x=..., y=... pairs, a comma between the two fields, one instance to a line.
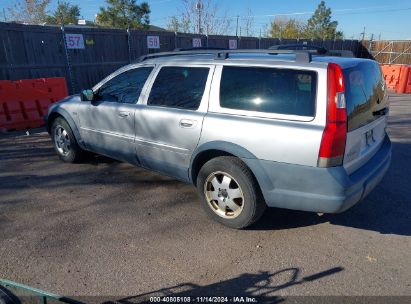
x=224, y=195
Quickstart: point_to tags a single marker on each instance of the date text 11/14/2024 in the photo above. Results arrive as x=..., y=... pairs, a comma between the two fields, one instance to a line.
x=171, y=299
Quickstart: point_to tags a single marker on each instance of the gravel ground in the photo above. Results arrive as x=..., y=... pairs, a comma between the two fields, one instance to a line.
x=108, y=229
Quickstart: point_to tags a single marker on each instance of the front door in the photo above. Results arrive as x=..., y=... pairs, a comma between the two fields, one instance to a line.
x=107, y=124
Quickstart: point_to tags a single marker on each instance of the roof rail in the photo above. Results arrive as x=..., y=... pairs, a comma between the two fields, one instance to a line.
x=296, y=46
x=201, y=48
x=341, y=53
x=300, y=55
x=175, y=53
x=317, y=50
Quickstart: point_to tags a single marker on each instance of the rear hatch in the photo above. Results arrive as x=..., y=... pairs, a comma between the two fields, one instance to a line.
x=367, y=110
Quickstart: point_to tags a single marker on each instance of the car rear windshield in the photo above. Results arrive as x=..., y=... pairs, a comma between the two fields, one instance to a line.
x=364, y=93
x=268, y=90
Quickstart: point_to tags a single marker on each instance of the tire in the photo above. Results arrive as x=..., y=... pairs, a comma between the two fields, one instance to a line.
x=7, y=297
x=237, y=206
x=65, y=143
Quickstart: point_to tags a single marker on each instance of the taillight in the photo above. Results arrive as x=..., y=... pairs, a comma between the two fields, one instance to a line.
x=335, y=133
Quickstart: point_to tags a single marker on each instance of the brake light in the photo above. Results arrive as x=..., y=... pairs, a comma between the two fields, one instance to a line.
x=332, y=146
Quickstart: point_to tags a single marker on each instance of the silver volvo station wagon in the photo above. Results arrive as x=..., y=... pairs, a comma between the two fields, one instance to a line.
x=249, y=128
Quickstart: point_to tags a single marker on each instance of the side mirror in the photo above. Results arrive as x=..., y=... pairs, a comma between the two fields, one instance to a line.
x=87, y=95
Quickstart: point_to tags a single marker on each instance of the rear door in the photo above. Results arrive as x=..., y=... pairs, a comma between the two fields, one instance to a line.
x=367, y=111
x=168, y=128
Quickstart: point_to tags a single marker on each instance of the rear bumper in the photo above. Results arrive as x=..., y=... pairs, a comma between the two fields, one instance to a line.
x=326, y=190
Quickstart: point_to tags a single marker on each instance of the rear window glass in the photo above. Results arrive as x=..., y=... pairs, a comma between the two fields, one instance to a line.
x=179, y=87
x=268, y=90
x=364, y=93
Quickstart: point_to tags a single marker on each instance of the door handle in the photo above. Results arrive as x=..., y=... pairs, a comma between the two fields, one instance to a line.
x=188, y=123
x=123, y=114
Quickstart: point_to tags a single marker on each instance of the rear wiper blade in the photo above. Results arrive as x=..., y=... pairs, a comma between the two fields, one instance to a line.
x=380, y=112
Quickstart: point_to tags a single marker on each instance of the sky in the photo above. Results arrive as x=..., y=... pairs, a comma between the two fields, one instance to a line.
x=389, y=20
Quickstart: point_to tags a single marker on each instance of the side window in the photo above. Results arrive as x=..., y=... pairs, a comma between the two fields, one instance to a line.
x=125, y=87
x=269, y=90
x=179, y=87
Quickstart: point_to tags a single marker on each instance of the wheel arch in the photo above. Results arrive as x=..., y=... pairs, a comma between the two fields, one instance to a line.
x=59, y=112
x=214, y=149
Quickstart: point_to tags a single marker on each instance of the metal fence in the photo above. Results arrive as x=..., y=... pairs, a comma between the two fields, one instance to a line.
x=32, y=51
x=390, y=52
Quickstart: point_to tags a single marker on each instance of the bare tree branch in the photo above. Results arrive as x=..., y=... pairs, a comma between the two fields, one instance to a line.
x=248, y=24
x=29, y=11
x=200, y=16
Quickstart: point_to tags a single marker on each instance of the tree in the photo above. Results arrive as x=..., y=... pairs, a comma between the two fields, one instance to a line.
x=320, y=26
x=124, y=14
x=176, y=25
x=286, y=28
x=198, y=16
x=247, y=24
x=65, y=13
x=29, y=11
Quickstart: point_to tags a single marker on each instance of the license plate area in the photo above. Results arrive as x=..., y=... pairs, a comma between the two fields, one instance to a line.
x=362, y=144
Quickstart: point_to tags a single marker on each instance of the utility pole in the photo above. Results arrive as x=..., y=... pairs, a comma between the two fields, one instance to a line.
x=370, y=44
x=363, y=34
x=199, y=7
x=236, y=29
x=4, y=14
